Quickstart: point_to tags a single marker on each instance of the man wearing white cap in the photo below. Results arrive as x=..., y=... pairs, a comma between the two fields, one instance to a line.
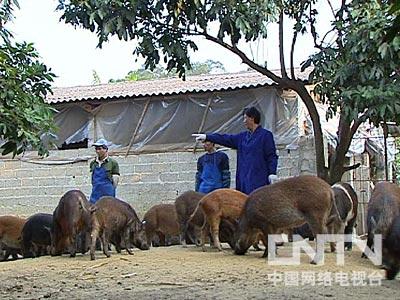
x=105, y=172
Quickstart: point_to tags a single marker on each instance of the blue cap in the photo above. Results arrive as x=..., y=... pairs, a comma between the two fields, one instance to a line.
x=101, y=143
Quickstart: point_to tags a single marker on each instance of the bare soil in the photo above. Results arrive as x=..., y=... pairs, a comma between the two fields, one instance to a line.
x=188, y=273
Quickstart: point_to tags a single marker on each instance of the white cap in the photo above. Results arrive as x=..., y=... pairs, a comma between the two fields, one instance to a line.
x=101, y=143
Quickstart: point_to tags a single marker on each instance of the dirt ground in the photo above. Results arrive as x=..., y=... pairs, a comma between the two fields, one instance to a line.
x=188, y=273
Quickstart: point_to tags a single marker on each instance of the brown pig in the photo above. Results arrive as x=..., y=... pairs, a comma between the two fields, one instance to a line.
x=383, y=208
x=185, y=205
x=117, y=220
x=216, y=206
x=161, y=219
x=71, y=217
x=10, y=235
x=284, y=205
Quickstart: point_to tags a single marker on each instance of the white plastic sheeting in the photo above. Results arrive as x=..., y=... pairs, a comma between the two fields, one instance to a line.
x=168, y=122
x=367, y=138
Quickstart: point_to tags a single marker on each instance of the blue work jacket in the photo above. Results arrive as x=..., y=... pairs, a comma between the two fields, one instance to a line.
x=256, y=156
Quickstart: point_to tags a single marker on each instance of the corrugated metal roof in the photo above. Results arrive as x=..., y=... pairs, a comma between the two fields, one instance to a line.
x=160, y=87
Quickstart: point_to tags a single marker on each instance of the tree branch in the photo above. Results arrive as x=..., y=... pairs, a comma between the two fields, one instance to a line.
x=281, y=52
x=339, y=16
x=245, y=59
x=331, y=7
x=314, y=31
x=348, y=168
x=292, y=55
x=357, y=122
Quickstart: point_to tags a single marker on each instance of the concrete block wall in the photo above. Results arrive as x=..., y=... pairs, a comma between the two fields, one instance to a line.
x=147, y=179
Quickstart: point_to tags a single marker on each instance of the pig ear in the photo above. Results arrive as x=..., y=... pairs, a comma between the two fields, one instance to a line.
x=136, y=225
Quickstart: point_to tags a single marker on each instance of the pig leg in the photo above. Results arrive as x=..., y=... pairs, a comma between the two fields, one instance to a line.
x=332, y=231
x=214, y=228
x=149, y=236
x=290, y=235
x=204, y=233
x=161, y=237
x=265, y=242
x=14, y=254
x=127, y=242
x=93, y=238
x=392, y=271
x=370, y=243
x=337, y=229
x=349, y=230
x=56, y=240
x=258, y=238
x=266, y=230
x=105, y=242
x=72, y=244
x=183, y=231
x=6, y=254
x=317, y=227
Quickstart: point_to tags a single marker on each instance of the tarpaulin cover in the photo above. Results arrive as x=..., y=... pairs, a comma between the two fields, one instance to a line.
x=168, y=122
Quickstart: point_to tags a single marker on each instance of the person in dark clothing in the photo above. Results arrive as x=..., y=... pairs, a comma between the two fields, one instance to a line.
x=256, y=152
x=212, y=170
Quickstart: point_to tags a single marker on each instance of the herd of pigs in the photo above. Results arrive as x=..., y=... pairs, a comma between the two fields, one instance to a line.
x=304, y=205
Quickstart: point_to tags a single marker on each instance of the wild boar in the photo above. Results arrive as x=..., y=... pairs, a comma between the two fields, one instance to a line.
x=284, y=205
x=36, y=237
x=161, y=219
x=72, y=216
x=383, y=208
x=216, y=206
x=342, y=217
x=10, y=235
x=391, y=249
x=185, y=205
x=116, y=219
x=344, y=213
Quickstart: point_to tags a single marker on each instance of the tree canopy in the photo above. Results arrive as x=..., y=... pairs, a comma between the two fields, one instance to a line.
x=363, y=89
x=358, y=74
x=196, y=68
x=24, y=84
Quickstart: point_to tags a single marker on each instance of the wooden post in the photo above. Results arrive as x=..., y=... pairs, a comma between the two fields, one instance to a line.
x=385, y=135
x=203, y=120
x=146, y=106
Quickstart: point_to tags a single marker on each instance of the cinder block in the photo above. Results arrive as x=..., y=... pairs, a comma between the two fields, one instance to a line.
x=169, y=177
x=126, y=168
x=12, y=183
x=161, y=167
x=151, y=178
x=143, y=168
x=149, y=159
x=29, y=182
x=13, y=164
x=187, y=176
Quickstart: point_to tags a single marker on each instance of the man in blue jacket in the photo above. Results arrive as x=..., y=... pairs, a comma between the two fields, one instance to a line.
x=212, y=170
x=256, y=153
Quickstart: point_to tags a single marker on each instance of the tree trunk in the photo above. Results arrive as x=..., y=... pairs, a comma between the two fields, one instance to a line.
x=299, y=87
x=338, y=158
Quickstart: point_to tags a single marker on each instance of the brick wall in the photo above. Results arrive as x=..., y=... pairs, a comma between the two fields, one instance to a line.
x=147, y=179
